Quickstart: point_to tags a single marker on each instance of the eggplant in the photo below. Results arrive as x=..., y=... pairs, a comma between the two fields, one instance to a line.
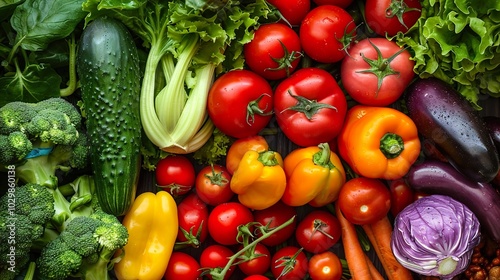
x=437, y=177
x=493, y=126
x=447, y=119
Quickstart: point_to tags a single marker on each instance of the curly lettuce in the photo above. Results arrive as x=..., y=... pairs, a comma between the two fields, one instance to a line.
x=458, y=41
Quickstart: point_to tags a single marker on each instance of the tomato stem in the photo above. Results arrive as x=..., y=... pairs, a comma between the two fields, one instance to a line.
x=254, y=108
x=397, y=8
x=307, y=106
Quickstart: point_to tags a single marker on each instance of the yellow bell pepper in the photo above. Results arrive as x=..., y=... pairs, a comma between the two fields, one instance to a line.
x=259, y=179
x=315, y=175
x=152, y=225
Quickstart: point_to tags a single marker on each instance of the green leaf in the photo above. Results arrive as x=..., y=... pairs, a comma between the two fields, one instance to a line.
x=35, y=83
x=39, y=22
x=7, y=8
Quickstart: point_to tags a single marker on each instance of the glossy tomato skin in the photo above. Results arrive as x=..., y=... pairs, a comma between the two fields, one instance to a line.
x=192, y=214
x=293, y=11
x=214, y=256
x=175, y=174
x=314, y=84
x=273, y=44
x=259, y=264
x=362, y=86
x=212, y=184
x=325, y=266
x=341, y=3
x=402, y=195
x=322, y=30
x=256, y=277
x=224, y=220
x=383, y=19
x=364, y=200
x=182, y=266
x=299, y=267
x=318, y=231
x=273, y=217
x=229, y=99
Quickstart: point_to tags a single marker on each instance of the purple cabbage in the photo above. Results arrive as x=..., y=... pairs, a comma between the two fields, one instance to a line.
x=435, y=236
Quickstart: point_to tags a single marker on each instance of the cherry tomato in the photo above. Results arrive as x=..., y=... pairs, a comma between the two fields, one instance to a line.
x=240, y=103
x=216, y=256
x=325, y=266
x=388, y=17
x=274, y=216
x=326, y=32
x=341, y=3
x=310, y=107
x=212, y=184
x=256, y=262
x=274, y=51
x=293, y=11
x=318, y=231
x=175, y=174
x=182, y=266
x=256, y=277
x=402, y=195
x=364, y=200
x=381, y=83
x=192, y=214
x=289, y=263
x=224, y=220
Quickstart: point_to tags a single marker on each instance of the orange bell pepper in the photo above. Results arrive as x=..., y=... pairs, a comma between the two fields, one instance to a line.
x=152, y=224
x=259, y=179
x=314, y=175
x=379, y=142
x=240, y=147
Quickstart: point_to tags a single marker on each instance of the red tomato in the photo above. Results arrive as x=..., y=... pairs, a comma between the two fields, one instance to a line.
x=381, y=80
x=274, y=51
x=224, y=220
x=341, y=3
x=364, y=200
x=318, y=231
x=216, y=256
x=402, y=195
x=240, y=103
x=388, y=17
x=326, y=32
x=310, y=107
x=256, y=262
x=293, y=11
x=175, y=174
x=275, y=216
x=287, y=267
x=182, y=266
x=256, y=277
x=212, y=184
x=325, y=266
x=192, y=214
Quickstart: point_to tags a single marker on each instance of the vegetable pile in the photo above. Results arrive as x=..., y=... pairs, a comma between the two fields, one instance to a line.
x=269, y=139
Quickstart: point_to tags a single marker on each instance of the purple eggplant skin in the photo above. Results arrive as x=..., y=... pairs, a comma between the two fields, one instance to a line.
x=447, y=119
x=493, y=125
x=438, y=177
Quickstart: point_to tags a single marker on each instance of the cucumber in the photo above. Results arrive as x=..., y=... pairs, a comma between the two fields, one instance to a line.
x=109, y=72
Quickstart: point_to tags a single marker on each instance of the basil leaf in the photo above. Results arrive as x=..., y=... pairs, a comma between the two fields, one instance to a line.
x=39, y=22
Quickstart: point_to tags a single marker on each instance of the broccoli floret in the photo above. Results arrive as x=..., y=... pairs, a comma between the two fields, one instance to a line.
x=84, y=249
x=42, y=138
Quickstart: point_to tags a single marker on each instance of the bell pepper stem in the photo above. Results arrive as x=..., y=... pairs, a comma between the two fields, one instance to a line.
x=391, y=145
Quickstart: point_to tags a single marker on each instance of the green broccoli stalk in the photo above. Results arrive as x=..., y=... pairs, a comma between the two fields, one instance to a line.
x=84, y=249
x=42, y=138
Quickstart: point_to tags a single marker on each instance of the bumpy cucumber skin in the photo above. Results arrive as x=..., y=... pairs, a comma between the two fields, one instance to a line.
x=109, y=72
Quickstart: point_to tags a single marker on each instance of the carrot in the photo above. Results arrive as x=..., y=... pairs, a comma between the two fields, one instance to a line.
x=379, y=234
x=373, y=270
x=354, y=254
